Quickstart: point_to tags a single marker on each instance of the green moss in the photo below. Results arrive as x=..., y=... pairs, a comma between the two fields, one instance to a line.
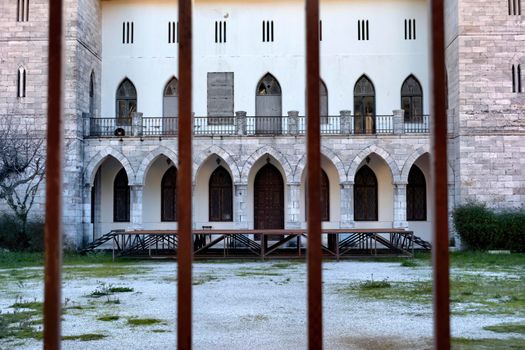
x=507, y=328
x=198, y=280
x=488, y=344
x=33, y=305
x=85, y=337
x=108, y=318
x=144, y=321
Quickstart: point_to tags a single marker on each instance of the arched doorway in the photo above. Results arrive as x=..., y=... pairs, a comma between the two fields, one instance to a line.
x=416, y=195
x=412, y=100
x=169, y=195
x=220, y=195
x=364, y=106
x=365, y=195
x=170, y=104
x=121, y=197
x=268, y=106
x=268, y=198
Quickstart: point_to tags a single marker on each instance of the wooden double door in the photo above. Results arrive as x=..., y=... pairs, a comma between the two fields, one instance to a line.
x=269, y=199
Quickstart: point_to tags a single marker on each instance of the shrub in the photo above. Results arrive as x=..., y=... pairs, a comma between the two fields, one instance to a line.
x=481, y=228
x=14, y=237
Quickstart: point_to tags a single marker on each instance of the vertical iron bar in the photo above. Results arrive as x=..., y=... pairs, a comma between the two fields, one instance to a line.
x=53, y=222
x=315, y=308
x=439, y=163
x=184, y=212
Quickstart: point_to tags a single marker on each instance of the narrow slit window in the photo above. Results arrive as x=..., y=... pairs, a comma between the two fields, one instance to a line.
x=127, y=32
x=220, y=31
x=267, y=31
x=173, y=32
x=22, y=11
x=21, y=83
x=519, y=77
x=362, y=30
x=320, y=30
x=513, y=79
x=410, y=29
x=514, y=7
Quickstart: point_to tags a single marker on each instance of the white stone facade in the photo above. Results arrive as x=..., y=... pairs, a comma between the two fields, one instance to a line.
x=486, y=123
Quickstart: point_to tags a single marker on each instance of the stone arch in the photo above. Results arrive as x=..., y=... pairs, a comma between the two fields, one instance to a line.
x=150, y=158
x=394, y=169
x=201, y=158
x=331, y=156
x=96, y=161
x=411, y=160
x=248, y=164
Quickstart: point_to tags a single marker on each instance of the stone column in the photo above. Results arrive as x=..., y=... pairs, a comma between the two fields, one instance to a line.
x=86, y=124
x=400, y=205
x=136, y=124
x=346, y=122
x=398, y=121
x=240, y=122
x=294, y=206
x=240, y=208
x=136, y=207
x=347, y=205
x=293, y=122
x=87, y=227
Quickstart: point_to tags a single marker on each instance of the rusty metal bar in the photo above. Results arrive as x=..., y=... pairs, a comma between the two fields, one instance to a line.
x=313, y=180
x=440, y=182
x=184, y=183
x=53, y=220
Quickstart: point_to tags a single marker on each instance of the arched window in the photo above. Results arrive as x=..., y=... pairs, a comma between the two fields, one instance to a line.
x=170, y=110
x=92, y=94
x=364, y=106
x=169, y=195
x=416, y=195
x=21, y=82
x=324, y=103
x=365, y=195
x=126, y=102
x=412, y=100
x=268, y=105
x=325, y=198
x=121, y=197
x=220, y=196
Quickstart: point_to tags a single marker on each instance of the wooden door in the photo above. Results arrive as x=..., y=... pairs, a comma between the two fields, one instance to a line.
x=269, y=198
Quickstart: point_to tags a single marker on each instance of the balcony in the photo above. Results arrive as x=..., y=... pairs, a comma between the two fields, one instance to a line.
x=243, y=125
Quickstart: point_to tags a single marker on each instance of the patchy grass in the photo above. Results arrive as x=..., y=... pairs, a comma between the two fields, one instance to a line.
x=202, y=279
x=32, y=305
x=159, y=330
x=102, y=271
x=254, y=318
x=105, y=289
x=469, y=293
x=488, y=262
x=85, y=337
x=488, y=344
x=144, y=321
x=410, y=263
x=371, y=284
x=507, y=328
x=108, y=318
x=19, y=325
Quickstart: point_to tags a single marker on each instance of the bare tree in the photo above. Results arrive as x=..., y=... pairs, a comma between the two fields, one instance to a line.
x=22, y=168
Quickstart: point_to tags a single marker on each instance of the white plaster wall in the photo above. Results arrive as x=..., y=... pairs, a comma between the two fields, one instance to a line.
x=201, y=195
x=385, y=205
x=150, y=62
x=151, y=206
x=251, y=179
x=423, y=229
x=335, y=195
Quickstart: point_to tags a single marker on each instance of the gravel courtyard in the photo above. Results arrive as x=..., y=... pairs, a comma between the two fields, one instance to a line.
x=242, y=305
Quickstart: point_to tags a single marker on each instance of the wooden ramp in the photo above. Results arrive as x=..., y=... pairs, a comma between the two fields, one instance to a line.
x=263, y=244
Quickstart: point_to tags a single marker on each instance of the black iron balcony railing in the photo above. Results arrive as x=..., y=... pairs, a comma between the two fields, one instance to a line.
x=257, y=125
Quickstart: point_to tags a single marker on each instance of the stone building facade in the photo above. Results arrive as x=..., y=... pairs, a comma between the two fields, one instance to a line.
x=109, y=42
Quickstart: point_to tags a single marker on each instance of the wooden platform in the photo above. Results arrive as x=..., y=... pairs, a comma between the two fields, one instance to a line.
x=264, y=244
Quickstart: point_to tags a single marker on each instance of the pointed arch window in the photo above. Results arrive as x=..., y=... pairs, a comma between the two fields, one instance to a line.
x=121, y=195
x=169, y=195
x=365, y=195
x=21, y=82
x=412, y=100
x=416, y=195
x=364, y=106
x=92, y=94
x=126, y=103
x=268, y=105
x=170, y=107
x=325, y=198
x=324, y=103
x=220, y=195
